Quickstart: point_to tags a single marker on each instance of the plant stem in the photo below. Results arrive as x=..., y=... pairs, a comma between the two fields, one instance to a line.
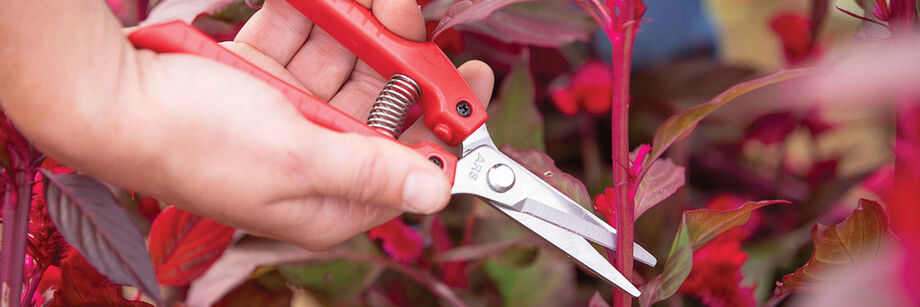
x=15, y=227
x=903, y=17
x=621, y=55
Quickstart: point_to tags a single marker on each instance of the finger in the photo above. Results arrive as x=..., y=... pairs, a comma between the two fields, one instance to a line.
x=403, y=18
x=323, y=56
x=481, y=80
x=263, y=61
x=373, y=170
x=335, y=219
x=277, y=30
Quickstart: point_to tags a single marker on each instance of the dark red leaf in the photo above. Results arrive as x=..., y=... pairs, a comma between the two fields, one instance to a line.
x=92, y=221
x=185, y=10
x=183, y=246
x=402, y=243
x=82, y=285
x=597, y=301
x=452, y=272
x=771, y=128
x=537, y=23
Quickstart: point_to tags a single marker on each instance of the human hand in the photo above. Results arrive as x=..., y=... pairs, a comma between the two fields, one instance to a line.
x=215, y=141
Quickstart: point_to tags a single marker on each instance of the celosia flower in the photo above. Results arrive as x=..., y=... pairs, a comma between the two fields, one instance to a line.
x=716, y=276
x=589, y=89
x=604, y=205
x=402, y=243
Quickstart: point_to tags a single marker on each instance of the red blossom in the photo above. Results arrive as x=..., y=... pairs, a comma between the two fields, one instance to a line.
x=589, y=89
x=716, y=277
x=794, y=31
x=604, y=204
x=402, y=243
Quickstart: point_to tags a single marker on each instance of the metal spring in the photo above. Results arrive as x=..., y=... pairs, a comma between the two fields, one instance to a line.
x=393, y=104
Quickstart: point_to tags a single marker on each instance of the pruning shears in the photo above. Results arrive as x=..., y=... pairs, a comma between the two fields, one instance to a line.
x=421, y=73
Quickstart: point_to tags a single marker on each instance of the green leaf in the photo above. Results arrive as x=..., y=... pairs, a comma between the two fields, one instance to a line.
x=677, y=127
x=847, y=244
x=545, y=280
x=335, y=279
x=513, y=116
x=543, y=166
x=697, y=227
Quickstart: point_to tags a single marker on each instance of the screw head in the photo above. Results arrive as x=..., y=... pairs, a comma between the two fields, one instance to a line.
x=500, y=178
x=464, y=108
x=436, y=161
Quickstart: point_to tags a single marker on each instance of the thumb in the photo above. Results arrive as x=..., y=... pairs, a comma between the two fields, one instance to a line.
x=376, y=171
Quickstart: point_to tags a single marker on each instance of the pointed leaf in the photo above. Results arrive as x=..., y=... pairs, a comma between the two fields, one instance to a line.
x=662, y=180
x=697, y=227
x=538, y=23
x=597, y=300
x=92, y=221
x=82, y=285
x=184, y=245
x=543, y=166
x=846, y=244
x=237, y=264
x=185, y=10
x=513, y=116
x=679, y=126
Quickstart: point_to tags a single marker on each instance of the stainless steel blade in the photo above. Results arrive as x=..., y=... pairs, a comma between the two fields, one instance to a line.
x=573, y=245
x=577, y=224
x=529, y=193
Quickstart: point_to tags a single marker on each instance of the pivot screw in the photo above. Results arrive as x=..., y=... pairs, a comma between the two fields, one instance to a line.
x=501, y=178
x=464, y=109
x=437, y=162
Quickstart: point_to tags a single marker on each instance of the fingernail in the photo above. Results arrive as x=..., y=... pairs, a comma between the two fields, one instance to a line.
x=424, y=192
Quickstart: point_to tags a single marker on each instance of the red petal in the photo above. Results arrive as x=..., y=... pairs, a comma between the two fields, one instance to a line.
x=402, y=243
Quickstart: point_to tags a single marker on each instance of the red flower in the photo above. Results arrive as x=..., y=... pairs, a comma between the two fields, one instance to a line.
x=794, y=31
x=716, y=277
x=590, y=88
x=605, y=206
x=402, y=243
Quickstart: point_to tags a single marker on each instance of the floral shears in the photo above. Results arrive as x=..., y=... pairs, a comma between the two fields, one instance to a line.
x=421, y=73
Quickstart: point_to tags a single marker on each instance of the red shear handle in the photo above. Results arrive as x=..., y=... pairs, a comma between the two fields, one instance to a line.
x=450, y=108
x=179, y=37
